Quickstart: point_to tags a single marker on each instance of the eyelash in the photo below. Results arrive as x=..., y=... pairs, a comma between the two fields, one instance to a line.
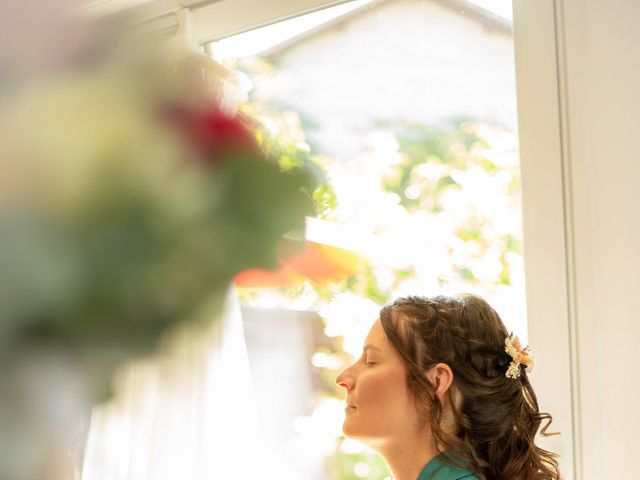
x=369, y=364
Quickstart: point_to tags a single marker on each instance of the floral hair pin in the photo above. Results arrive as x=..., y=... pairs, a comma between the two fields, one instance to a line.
x=519, y=356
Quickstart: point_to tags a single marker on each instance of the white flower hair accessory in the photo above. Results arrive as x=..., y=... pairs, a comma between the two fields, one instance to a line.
x=519, y=356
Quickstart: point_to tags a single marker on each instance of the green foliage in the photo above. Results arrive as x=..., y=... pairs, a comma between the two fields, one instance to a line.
x=295, y=158
x=505, y=275
x=325, y=200
x=288, y=144
x=363, y=283
x=421, y=145
x=356, y=466
x=512, y=244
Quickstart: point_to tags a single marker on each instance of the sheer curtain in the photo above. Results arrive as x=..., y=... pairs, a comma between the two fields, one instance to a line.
x=188, y=413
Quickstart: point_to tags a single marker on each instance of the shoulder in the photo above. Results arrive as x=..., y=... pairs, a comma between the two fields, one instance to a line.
x=452, y=473
x=469, y=476
x=439, y=469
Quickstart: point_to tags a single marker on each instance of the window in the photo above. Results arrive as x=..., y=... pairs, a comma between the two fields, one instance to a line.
x=410, y=109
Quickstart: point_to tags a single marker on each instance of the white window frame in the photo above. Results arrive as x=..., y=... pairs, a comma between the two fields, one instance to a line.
x=547, y=220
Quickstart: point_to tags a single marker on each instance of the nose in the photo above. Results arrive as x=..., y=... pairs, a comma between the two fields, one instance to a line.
x=345, y=379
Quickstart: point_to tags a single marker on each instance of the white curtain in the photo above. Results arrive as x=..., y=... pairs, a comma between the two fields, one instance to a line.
x=188, y=413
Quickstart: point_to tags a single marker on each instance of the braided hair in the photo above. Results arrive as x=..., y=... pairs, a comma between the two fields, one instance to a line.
x=496, y=418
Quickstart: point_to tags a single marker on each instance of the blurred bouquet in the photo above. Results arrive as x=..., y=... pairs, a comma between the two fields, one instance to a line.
x=114, y=225
x=127, y=206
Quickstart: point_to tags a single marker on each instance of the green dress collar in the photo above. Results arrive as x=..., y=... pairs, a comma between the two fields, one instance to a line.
x=437, y=469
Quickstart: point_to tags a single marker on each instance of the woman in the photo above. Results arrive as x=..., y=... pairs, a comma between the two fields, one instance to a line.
x=441, y=392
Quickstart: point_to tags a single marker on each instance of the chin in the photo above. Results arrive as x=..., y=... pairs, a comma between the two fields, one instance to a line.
x=349, y=430
x=354, y=433
x=345, y=429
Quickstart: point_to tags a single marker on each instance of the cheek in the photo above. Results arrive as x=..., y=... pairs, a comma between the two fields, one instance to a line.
x=383, y=390
x=384, y=406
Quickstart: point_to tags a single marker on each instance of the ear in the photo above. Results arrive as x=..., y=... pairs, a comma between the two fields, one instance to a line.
x=441, y=377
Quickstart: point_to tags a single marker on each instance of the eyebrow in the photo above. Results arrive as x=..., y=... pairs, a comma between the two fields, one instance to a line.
x=371, y=347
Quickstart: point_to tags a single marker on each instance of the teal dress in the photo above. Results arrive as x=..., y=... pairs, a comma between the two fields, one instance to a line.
x=437, y=469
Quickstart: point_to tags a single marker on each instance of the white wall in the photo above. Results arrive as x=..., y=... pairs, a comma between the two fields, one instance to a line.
x=603, y=104
x=582, y=221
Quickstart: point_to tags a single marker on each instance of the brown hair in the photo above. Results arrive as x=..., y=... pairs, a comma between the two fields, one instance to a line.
x=496, y=417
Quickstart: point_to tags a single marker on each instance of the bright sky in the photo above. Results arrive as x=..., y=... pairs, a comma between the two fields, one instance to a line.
x=261, y=39
x=499, y=7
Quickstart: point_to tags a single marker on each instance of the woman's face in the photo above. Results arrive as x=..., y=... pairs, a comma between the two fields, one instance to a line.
x=380, y=406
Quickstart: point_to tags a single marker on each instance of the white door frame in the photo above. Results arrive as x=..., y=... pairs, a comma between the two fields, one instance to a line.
x=548, y=224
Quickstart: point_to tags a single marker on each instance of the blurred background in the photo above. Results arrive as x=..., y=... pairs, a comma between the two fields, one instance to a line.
x=203, y=205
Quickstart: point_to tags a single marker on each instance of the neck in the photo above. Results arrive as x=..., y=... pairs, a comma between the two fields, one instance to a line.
x=406, y=458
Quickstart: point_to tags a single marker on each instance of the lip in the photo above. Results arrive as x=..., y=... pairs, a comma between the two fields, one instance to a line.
x=350, y=407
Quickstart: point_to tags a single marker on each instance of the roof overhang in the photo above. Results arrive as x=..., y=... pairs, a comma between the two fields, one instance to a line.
x=211, y=19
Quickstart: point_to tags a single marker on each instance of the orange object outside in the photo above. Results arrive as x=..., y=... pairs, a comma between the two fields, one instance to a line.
x=304, y=261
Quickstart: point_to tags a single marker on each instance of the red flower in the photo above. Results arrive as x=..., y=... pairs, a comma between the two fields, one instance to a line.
x=215, y=136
